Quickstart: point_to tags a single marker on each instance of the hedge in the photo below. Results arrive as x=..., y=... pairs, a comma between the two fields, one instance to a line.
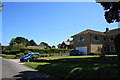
x=52, y=50
x=13, y=52
x=19, y=55
x=41, y=51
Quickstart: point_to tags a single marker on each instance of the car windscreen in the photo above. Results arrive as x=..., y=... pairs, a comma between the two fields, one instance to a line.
x=27, y=55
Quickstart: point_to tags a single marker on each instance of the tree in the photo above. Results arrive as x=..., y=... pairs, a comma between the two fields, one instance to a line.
x=12, y=42
x=112, y=11
x=31, y=43
x=53, y=46
x=1, y=5
x=45, y=45
x=18, y=40
x=117, y=47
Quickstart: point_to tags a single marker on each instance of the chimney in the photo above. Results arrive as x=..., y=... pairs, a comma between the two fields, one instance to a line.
x=68, y=40
x=107, y=29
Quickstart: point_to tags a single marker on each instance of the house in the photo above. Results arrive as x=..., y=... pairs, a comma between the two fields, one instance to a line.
x=35, y=47
x=91, y=41
x=66, y=44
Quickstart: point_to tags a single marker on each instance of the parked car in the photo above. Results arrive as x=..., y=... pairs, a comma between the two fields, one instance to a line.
x=75, y=53
x=27, y=57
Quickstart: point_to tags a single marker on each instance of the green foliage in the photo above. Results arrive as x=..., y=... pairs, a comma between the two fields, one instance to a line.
x=12, y=42
x=19, y=55
x=111, y=11
x=73, y=69
x=45, y=55
x=1, y=5
x=117, y=43
x=52, y=50
x=31, y=43
x=53, y=46
x=97, y=52
x=117, y=47
x=18, y=40
x=45, y=45
x=27, y=51
x=13, y=52
x=8, y=56
x=102, y=56
x=17, y=46
x=34, y=57
x=21, y=40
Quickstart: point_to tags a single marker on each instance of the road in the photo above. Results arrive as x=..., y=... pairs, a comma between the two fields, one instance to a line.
x=11, y=69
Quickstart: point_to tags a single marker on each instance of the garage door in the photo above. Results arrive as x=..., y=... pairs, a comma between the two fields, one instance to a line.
x=82, y=49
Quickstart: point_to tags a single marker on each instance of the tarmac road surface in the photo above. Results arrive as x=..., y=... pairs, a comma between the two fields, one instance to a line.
x=12, y=69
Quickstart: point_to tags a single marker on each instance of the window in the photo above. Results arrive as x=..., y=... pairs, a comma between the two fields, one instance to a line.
x=105, y=48
x=111, y=39
x=81, y=39
x=112, y=49
x=96, y=38
x=104, y=39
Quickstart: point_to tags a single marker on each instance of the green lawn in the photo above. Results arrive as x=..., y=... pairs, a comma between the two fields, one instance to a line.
x=62, y=57
x=77, y=66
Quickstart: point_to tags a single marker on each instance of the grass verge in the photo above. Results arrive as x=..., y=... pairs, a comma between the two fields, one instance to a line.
x=74, y=68
x=8, y=56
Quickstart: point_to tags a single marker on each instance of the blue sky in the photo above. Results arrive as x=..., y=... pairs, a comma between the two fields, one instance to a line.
x=51, y=22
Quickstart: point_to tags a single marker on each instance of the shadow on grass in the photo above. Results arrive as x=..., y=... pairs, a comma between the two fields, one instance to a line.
x=80, y=67
x=110, y=59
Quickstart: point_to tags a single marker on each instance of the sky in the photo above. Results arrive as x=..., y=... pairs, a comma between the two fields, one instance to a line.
x=51, y=22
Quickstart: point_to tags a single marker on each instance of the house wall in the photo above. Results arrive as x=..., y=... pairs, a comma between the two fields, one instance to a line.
x=85, y=43
x=96, y=48
x=93, y=45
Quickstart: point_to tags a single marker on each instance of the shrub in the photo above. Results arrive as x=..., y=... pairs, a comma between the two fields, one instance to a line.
x=13, y=52
x=19, y=55
x=34, y=57
x=102, y=56
x=45, y=55
x=52, y=50
x=8, y=56
x=97, y=52
x=27, y=51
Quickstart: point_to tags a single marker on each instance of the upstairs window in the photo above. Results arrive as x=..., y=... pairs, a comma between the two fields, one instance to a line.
x=105, y=39
x=105, y=48
x=96, y=38
x=111, y=39
x=112, y=49
x=81, y=39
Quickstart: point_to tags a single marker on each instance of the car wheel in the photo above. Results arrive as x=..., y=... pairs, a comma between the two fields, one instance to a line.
x=28, y=60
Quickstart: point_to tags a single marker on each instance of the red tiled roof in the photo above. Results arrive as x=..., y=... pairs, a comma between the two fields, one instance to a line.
x=89, y=31
x=113, y=31
x=35, y=47
x=68, y=42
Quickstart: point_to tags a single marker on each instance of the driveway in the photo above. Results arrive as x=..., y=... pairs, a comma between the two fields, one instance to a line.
x=12, y=68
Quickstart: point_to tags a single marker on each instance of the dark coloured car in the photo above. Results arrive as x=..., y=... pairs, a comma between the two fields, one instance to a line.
x=75, y=53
